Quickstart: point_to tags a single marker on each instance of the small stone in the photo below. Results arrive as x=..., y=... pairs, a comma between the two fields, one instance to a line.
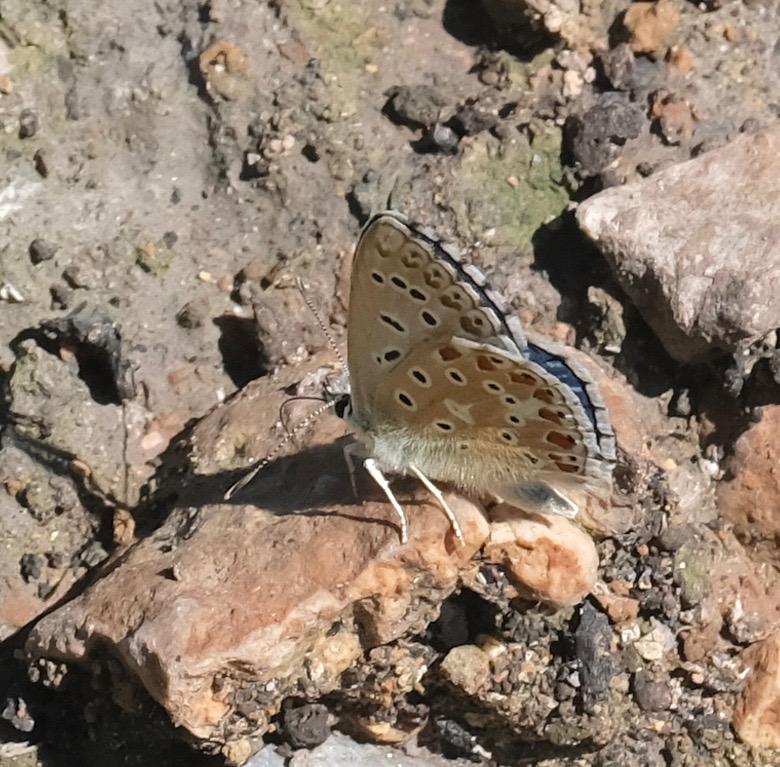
x=15, y=712
x=418, y=106
x=193, y=314
x=32, y=566
x=57, y=560
x=654, y=645
x=468, y=668
x=28, y=123
x=554, y=560
x=42, y=250
x=681, y=59
x=757, y=712
x=651, y=25
x=652, y=694
x=619, y=609
x=94, y=554
x=6, y=85
x=306, y=726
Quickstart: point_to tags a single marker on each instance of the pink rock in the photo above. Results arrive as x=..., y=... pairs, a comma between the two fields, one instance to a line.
x=750, y=495
x=545, y=558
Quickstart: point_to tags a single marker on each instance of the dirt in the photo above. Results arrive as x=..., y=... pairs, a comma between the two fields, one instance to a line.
x=171, y=169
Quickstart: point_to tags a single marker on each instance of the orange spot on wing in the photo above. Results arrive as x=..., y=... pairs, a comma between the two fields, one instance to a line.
x=564, y=441
x=484, y=363
x=569, y=468
x=545, y=395
x=524, y=378
x=447, y=353
x=550, y=415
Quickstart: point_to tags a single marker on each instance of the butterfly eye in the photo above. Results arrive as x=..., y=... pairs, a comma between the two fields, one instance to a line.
x=391, y=355
x=418, y=295
x=399, y=282
x=378, y=278
x=444, y=425
x=510, y=400
x=515, y=420
x=492, y=387
x=508, y=437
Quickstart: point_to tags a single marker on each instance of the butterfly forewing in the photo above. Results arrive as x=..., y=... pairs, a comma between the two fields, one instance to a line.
x=406, y=290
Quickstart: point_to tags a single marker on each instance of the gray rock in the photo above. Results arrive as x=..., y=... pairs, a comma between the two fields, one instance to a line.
x=697, y=246
x=341, y=751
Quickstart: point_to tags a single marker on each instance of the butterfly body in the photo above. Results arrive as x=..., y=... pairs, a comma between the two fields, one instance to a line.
x=445, y=386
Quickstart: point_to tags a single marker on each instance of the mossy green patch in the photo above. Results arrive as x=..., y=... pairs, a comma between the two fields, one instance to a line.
x=510, y=188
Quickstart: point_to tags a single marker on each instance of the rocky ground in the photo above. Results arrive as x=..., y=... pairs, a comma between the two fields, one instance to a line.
x=171, y=169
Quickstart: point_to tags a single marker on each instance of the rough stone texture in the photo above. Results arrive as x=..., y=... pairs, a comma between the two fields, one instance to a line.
x=695, y=246
x=750, y=494
x=341, y=751
x=757, y=713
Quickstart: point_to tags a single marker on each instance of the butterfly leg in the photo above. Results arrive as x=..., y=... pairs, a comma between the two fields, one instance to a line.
x=376, y=474
x=440, y=498
x=350, y=450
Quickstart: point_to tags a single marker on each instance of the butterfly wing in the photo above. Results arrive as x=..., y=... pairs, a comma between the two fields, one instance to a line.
x=490, y=421
x=407, y=288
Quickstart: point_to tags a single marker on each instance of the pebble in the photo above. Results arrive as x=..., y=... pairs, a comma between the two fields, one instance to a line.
x=42, y=250
x=28, y=123
x=32, y=566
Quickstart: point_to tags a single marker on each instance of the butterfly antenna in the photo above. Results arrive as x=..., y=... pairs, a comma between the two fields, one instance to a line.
x=323, y=327
x=304, y=424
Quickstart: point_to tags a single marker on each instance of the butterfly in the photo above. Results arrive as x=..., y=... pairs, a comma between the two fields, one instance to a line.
x=444, y=385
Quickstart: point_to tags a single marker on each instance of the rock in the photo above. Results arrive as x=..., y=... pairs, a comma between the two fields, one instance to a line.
x=306, y=726
x=652, y=694
x=32, y=566
x=657, y=642
x=757, y=712
x=418, y=106
x=596, y=138
x=702, y=274
x=341, y=751
x=619, y=608
x=627, y=72
x=592, y=646
x=41, y=250
x=291, y=586
x=28, y=123
x=651, y=25
x=467, y=667
x=15, y=712
x=749, y=495
x=674, y=118
x=550, y=559
x=225, y=68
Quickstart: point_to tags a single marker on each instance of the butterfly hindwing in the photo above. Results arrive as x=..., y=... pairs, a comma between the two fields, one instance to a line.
x=490, y=421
